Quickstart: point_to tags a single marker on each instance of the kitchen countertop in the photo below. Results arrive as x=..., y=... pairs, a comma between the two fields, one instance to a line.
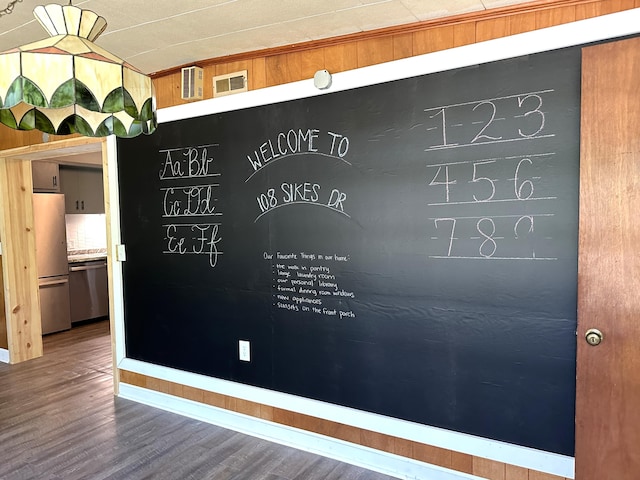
x=76, y=256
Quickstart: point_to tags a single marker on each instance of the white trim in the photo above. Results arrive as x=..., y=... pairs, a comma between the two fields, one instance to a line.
x=361, y=456
x=576, y=33
x=517, y=455
x=4, y=355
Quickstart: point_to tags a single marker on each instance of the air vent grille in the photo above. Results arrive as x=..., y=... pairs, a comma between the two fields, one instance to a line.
x=235, y=82
x=192, y=82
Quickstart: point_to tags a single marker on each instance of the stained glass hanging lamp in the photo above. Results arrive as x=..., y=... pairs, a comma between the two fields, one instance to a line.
x=67, y=84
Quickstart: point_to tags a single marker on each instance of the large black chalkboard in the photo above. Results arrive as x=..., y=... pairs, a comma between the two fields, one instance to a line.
x=407, y=248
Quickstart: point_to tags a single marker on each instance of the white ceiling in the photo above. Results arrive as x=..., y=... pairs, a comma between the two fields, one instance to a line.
x=161, y=34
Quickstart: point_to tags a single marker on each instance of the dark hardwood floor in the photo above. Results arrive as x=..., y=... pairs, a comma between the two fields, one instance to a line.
x=59, y=420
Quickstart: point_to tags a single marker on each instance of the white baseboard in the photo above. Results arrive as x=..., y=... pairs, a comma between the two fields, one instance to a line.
x=4, y=355
x=361, y=456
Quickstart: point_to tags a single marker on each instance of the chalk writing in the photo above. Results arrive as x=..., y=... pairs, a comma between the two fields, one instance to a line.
x=189, y=239
x=190, y=202
x=298, y=142
x=301, y=193
x=187, y=162
x=518, y=179
x=493, y=119
x=500, y=179
x=305, y=282
x=514, y=234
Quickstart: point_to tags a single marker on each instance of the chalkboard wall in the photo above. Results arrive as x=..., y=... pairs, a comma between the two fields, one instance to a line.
x=407, y=248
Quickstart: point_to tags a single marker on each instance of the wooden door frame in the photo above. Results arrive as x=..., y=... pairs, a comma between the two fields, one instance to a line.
x=20, y=279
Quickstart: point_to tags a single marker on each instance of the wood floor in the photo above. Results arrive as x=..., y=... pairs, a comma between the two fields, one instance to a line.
x=59, y=420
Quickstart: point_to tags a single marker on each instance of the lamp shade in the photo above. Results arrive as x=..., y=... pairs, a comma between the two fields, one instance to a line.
x=67, y=84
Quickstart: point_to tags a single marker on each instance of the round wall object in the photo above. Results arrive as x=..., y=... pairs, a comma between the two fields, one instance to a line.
x=322, y=79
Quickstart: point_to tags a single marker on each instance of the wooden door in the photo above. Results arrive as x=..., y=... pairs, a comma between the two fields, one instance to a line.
x=608, y=375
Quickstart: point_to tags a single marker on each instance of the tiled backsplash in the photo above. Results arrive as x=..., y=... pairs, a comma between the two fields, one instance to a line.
x=86, y=231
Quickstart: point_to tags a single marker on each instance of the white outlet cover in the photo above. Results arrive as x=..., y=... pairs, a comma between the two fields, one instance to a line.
x=244, y=350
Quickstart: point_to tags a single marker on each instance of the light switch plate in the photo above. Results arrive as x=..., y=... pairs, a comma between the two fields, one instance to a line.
x=121, y=253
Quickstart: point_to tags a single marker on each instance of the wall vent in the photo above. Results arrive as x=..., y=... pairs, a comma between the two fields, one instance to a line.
x=235, y=82
x=192, y=79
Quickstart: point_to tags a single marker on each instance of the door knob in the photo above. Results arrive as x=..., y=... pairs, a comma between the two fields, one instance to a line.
x=593, y=337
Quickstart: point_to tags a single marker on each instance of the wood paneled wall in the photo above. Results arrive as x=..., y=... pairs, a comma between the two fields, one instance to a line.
x=277, y=66
x=10, y=138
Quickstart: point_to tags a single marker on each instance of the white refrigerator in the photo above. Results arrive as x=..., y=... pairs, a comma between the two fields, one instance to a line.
x=53, y=265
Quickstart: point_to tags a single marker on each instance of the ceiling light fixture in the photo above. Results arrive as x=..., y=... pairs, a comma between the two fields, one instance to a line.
x=67, y=84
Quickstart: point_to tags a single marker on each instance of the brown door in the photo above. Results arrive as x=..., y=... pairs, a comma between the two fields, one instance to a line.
x=608, y=376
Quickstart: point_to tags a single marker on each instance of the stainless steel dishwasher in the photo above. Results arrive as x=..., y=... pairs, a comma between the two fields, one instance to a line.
x=88, y=290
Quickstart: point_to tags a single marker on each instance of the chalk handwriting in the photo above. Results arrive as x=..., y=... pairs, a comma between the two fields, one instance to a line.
x=301, y=193
x=193, y=239
x=304, y=282
x=187, y=162
x=494, y=120
x=298, y=142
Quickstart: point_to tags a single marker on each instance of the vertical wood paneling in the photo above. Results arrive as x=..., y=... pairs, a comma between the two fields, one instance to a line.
x=403, y=447
x=464, y=34
x=344, y=432
x=258, y=75
x=276, y=69
x=490, y=29
x=375, y=51
x=524, y=22
x=555, y=16
x=489, y=469
x=224, y=68
x=167, y=90
x=194, y=394
x=266, y=412
x=214, y=399
x=377, y=441
x=516, y=473
x=3, y=318
x=613, y=6
x=20, y=273
x=248, y=408
x=303, y=65
x=590, y=10
x=433, y=40
x=10, y=138
x=462, y=462
x=533, y=475
x=402, y=46
x=432, y=455
x=339, y=58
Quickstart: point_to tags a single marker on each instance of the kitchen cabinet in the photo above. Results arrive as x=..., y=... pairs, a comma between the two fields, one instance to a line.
x=82, y=188
x=46, y=176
